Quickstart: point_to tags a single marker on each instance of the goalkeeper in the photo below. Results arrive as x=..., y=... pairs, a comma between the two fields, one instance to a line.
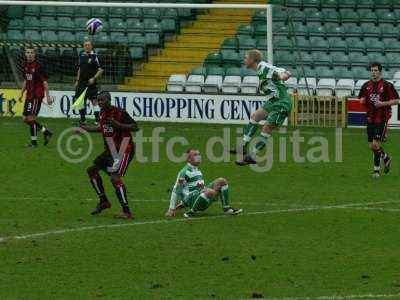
x=275, y=110
x=189, y=187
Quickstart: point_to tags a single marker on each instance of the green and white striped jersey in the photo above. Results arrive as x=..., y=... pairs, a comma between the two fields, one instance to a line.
x=189, y=179
x=269, y=86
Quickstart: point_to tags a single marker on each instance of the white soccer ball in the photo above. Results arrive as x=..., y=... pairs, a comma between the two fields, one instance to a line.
x=94, y=26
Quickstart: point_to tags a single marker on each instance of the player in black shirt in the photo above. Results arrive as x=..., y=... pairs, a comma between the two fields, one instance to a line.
x=89, y=70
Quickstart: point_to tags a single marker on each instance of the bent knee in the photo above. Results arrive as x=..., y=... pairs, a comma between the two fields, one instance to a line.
x=222, y=181
x=115, y=178
x=268, y=128
x=256, y=117
x=92, y=171
x=210, y=193
x=374, y=146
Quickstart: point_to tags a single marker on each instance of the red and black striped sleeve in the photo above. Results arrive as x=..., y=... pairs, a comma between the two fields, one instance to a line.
x=392, y=93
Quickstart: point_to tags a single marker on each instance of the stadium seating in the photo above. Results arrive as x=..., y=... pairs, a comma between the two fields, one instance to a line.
x=213, y=84
x=213, y=79
x=250, y=85
x=231, y=84
x=5, y=70
x=335, y=41
x=65, y=26
x=326, y=87
x=307, y=85
x=195, y=83
x=329, y=39
x=344, y=87
x=358, y=85
x=176, y=83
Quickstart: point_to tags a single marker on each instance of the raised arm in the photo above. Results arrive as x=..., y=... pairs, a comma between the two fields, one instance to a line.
x=282, y=75
x=275, y=73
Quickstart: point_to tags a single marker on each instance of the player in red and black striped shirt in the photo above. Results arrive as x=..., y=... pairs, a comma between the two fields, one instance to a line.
x=36, y=87
x=378, y=95
x=116, y=126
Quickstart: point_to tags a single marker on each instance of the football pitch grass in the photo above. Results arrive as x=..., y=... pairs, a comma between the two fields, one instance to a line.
x=309, y=230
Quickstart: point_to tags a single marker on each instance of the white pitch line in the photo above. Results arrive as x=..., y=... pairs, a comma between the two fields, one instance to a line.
x=371, y=203
x=301, y=209
x=147, y=201
x=349, y=297
x=163, y=221
x=240, y=202
x=377, y=209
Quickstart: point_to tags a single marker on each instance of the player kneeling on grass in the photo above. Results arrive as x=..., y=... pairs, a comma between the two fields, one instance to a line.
x=275, y=110
x=189, y=187
x=116, y=126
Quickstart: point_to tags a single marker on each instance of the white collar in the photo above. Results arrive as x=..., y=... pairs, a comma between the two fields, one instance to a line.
x=191, y=166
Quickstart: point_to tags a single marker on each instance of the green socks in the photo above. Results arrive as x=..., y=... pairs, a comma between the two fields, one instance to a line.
x=262, y=142
x=225, y=196
x=249, y=131
x=202, y=202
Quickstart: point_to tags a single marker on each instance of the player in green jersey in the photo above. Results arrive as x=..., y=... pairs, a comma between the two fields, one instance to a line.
x=275, y=110
x=190, y=188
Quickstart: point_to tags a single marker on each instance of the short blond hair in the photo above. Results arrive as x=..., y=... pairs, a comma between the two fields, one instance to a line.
x=255, y=54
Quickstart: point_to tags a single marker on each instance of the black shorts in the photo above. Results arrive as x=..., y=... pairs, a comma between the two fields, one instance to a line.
x=91, y=92
x=108, y=164
x=377, y=131
x=32, y=107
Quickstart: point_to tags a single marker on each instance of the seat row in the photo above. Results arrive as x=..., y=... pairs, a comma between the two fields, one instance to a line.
x=18, y=12
x=353, y=4
x=235, y=84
